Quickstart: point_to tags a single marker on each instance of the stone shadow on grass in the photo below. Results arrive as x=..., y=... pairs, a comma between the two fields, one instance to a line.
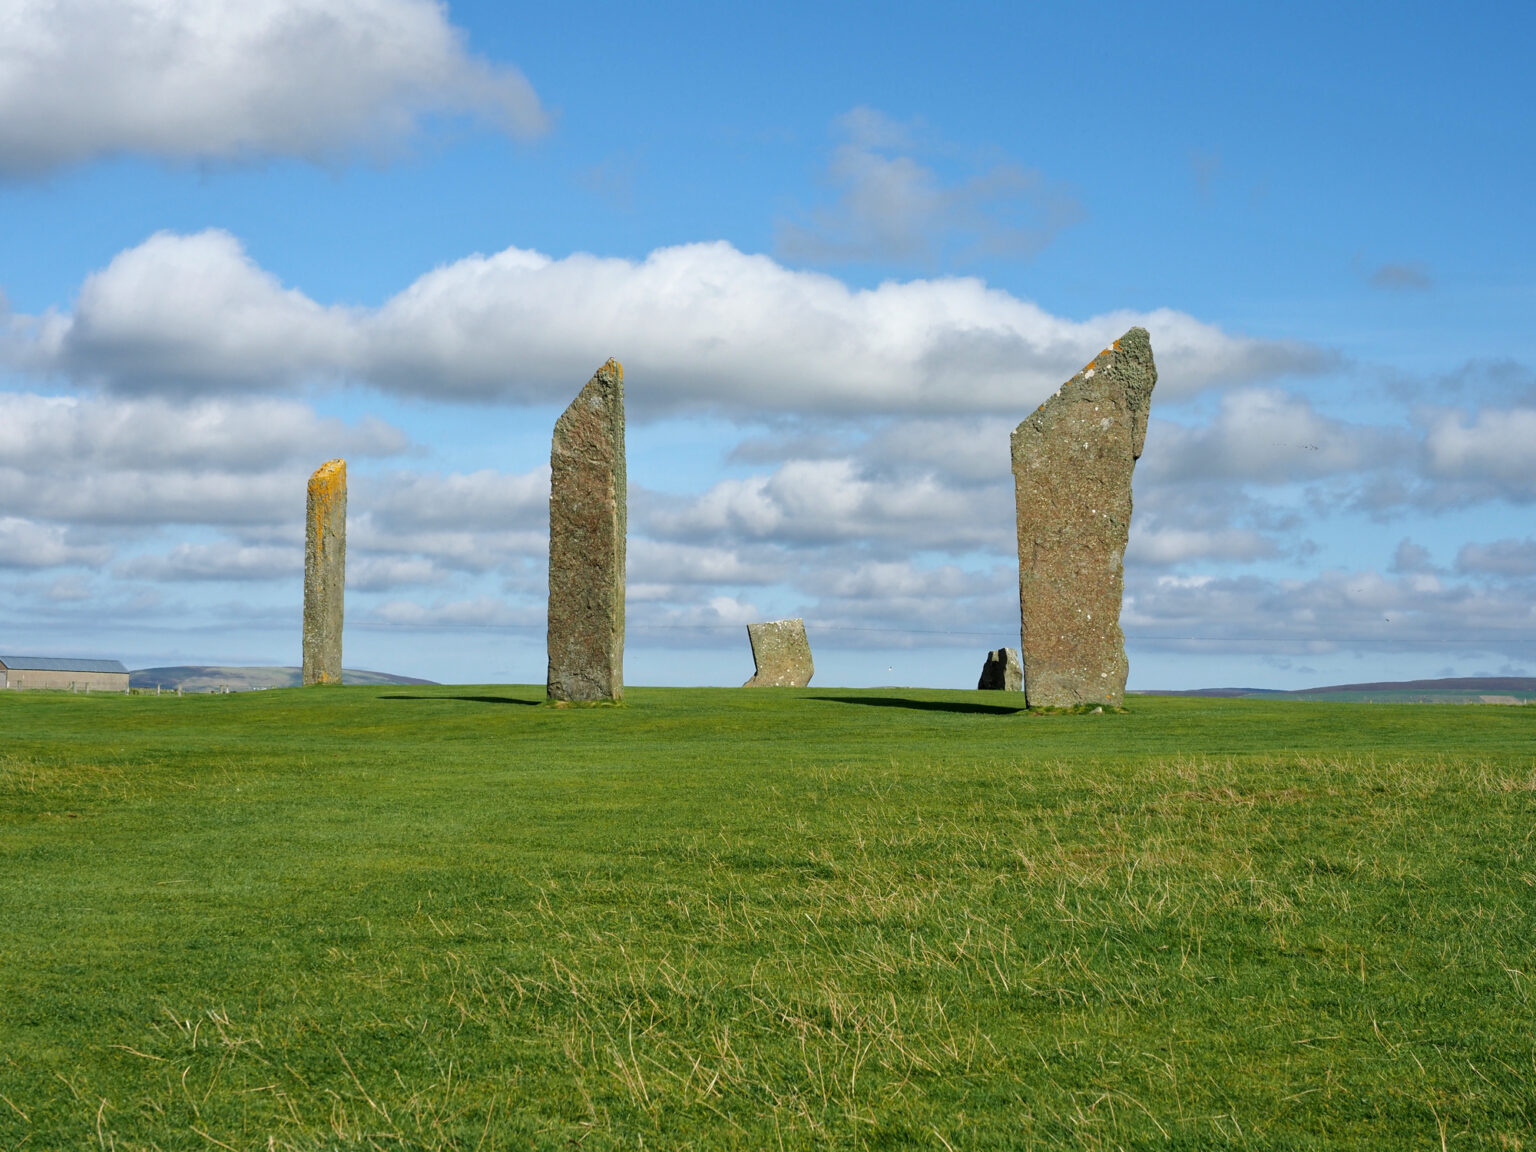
x=926, y=705
x=473, y=699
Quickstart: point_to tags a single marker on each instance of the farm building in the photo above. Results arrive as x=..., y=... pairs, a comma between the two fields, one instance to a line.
x=63, y=672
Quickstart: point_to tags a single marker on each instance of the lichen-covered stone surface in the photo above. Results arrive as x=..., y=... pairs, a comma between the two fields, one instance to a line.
x=1002, y=672
x=781, y=653
x=587, y=521
x=325, y=572
x=1072, y=462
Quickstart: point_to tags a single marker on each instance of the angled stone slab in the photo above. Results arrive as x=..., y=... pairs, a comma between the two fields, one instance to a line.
x=781, y=653
x=1072, y=463
x=587, y=522
x=325, y=573
x=1002, y=672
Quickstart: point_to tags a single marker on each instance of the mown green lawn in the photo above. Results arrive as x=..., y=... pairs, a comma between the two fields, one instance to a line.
x=453, y=917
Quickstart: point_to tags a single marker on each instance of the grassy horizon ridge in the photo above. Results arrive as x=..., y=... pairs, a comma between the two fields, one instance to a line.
x=452, y=917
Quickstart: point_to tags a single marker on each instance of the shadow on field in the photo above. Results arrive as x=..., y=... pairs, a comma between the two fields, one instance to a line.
x=925, y=705
x=473, y=699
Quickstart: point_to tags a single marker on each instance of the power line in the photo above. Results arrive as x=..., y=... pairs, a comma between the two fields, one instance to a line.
x=447, y=626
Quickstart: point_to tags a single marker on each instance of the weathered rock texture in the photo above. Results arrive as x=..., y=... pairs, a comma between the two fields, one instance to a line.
x=1072, y=462
x=1002, y=671
x=325, y=572
x=782, y=655
x=587, y=521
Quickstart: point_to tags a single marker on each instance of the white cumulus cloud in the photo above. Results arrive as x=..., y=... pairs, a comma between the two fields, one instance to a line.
x=224, y=560
x=699, y=327
x=184, y=313
x=1327, y=611
x=485, y=499
x=208, y=79
x=145, y=460
x=1267, y=435
x=68, y=433
x=1508, y=557
x=818, y=502
x=1496, y=448
x=1162, y=546
x=27, y=544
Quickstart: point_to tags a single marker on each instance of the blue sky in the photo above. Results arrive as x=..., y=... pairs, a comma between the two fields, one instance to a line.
x=840, y=252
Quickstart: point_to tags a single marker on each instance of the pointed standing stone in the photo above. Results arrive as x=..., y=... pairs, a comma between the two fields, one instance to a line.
x=1001, y=672
x=1072, y=462
x=587, y=522
x=781, y=653
x=325, y=573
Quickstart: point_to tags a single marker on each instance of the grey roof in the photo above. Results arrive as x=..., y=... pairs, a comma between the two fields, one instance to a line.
x=59, y=664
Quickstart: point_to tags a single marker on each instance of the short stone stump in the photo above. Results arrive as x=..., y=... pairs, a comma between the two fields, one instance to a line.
x=782, y=654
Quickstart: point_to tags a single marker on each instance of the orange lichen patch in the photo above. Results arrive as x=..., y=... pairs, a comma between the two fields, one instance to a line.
x=326, y=486
x=615, y=367
x=327, y=480
x=328, y=475
x=1115, y=347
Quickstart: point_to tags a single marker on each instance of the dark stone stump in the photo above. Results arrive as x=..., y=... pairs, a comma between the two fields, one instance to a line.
x=1002, y=672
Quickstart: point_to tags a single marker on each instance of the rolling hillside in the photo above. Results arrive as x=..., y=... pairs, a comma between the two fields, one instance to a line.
x=213, y=678
x=1454, y=690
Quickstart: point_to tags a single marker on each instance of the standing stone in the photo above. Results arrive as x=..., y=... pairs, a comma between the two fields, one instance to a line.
x=1002, y=672
x=587, y=521
x=325, y=573
x=782, y=655
x=1072, y=462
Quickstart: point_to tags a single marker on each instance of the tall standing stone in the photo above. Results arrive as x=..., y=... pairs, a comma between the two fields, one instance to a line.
x=781, y=654
x=587, y=522
x=1072, y=462
x=325, y=572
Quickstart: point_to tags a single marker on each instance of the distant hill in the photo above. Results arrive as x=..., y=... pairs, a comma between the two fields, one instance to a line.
x=1454, y=690
x=1225, y=693
x=211, y=678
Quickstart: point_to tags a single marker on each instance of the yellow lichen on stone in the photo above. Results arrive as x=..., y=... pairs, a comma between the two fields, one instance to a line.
x=616, y=367
x=324, y=573
x=325, y=485
x=331, y=470
x=328, y=479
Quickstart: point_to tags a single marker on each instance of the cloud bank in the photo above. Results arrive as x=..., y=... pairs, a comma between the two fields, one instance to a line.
x=211, y=80
x=147, y=461
x=700, y=327
x=869, y=491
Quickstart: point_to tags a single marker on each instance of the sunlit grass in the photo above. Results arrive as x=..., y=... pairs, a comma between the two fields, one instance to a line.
x=455, y=918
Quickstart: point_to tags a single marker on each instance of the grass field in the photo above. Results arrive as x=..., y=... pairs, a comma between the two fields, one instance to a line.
x=450, y=917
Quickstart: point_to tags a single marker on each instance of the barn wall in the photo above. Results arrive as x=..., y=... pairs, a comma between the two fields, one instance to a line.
x=95, y=681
